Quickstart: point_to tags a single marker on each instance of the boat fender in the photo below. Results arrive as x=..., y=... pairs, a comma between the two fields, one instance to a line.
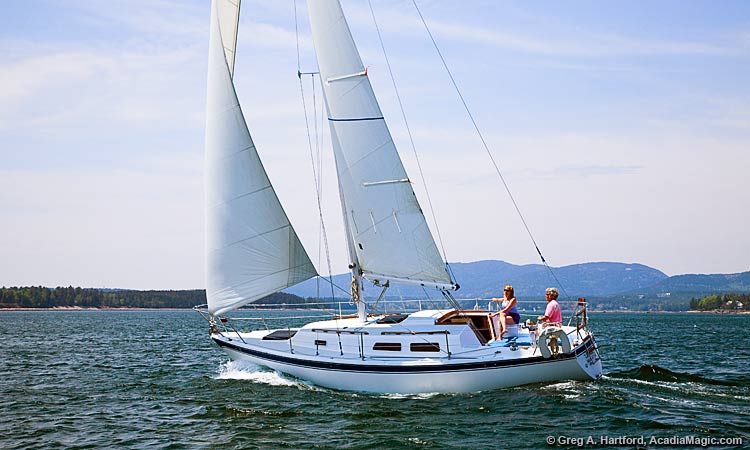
x=551, y=341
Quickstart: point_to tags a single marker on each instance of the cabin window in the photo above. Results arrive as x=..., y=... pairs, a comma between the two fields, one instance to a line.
x=387, y=346
x=424, y=347
x=320, y=342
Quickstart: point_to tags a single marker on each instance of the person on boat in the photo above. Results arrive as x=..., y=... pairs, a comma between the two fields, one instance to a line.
x=553, y=313
x=508, y=314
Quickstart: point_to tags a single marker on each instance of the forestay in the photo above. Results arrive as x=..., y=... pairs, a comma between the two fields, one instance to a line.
x=251, y=248
x=385, y=224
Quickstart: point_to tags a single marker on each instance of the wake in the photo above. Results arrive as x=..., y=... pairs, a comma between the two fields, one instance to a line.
x=243, y=370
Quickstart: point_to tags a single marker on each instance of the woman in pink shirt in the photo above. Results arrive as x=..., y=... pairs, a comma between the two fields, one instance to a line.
x=552, y=314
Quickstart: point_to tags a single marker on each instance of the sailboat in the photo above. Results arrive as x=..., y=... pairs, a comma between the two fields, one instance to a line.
x=252, y=250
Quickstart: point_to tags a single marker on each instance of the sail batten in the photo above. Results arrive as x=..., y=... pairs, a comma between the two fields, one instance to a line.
x=257, y=236
x=386, y=230
x=244, y=195
x=251, y=248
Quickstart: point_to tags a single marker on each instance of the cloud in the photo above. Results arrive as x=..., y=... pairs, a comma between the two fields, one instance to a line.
x=24, y=78
x=256, y=34
x=165, y=18
x=64, y=91
x=558, y=42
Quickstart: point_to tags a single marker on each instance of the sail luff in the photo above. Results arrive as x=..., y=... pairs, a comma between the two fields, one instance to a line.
x=385, y=224
x=349, y=238
x=251, y=248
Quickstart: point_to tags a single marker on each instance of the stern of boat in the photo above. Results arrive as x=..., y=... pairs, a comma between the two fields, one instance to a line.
x=587, y=356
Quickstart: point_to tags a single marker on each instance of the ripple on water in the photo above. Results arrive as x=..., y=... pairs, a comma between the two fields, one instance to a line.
x=118, y=379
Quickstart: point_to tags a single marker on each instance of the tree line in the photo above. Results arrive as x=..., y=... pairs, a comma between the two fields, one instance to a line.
x=44, y=297
x=721, y=302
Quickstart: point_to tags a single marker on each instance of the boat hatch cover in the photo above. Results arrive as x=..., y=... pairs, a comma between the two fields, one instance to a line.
x=394, y=318
x=279, y=335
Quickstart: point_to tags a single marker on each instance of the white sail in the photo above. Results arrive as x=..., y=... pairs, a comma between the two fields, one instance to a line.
x=228, y=12
x=251, y=248
x=385, y=224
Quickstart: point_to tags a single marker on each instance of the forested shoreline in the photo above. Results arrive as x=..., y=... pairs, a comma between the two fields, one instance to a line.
x=721, y=302
x=77, y=297
x=40, y=297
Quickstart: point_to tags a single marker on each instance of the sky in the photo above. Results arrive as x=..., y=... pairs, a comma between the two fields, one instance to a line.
x=622, y=129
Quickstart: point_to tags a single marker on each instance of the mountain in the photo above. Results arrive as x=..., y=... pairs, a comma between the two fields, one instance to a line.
x=699, y=284
x=484, y=279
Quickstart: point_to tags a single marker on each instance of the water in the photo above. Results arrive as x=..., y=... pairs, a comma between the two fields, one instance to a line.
x=153, y=379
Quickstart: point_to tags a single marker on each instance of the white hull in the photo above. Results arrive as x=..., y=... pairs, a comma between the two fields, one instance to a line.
x=491, y=366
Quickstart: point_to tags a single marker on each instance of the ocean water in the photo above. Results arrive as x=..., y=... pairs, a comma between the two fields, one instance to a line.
x=153, y=379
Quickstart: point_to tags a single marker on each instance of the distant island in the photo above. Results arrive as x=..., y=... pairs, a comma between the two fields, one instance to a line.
x=608, y=286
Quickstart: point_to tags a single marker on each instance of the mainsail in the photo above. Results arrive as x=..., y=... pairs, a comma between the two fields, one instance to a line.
x=251, y=248
x=386, y=229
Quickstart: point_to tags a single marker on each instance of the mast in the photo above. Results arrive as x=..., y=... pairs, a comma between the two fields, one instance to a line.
x=387, y=234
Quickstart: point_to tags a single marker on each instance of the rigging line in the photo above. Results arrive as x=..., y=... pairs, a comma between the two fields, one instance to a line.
x=334, y=285
x=322, y=133
x=319, y=147
x=411, y=139
x=309, y=143
x=317, y=184
x=460, y=312
x=484, y=143
x=320, y=255
x=318, y=175
x=430, y=300
x=380, y=297
x=296, y=36
x=318, y=189
x=315, y=128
